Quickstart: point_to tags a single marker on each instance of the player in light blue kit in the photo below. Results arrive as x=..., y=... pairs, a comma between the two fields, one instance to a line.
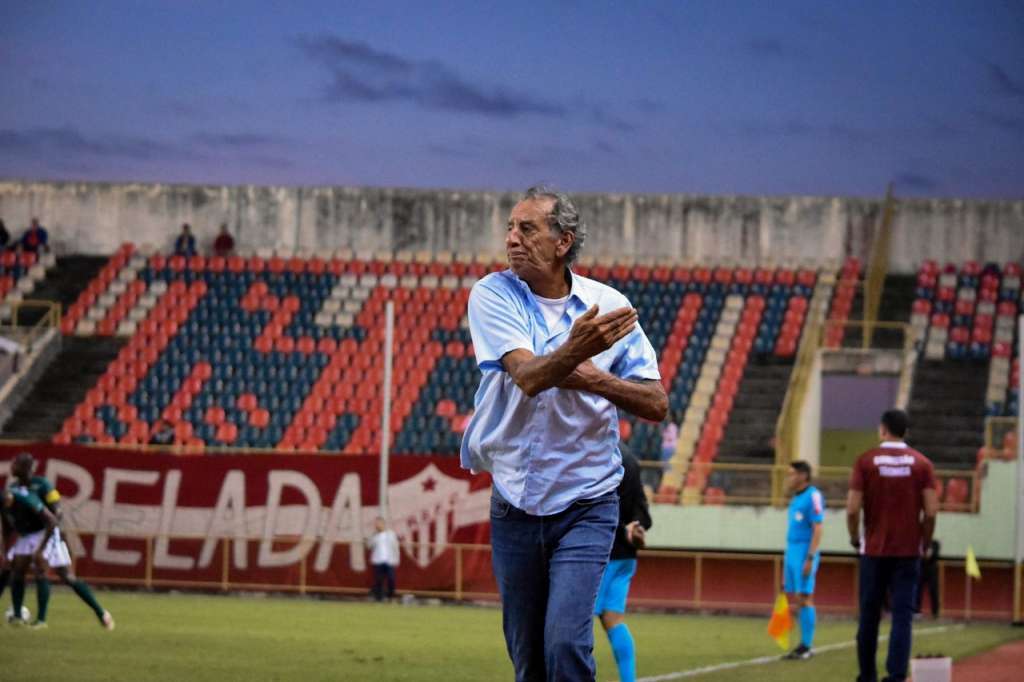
x=800, y=565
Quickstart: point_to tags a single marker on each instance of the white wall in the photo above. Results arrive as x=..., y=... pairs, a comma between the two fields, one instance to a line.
x=97, y=217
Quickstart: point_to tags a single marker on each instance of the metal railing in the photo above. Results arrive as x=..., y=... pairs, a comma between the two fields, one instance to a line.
x=868, y=329
x=677, y=579
x=755, y=484
x=28, y=332
x=878, y=267
x=787, y=426
x=996, y=429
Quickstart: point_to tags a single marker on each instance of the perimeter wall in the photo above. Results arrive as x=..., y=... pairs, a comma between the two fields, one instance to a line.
x=97, y=217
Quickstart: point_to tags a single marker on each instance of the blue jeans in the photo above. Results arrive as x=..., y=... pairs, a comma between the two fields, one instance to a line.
x=896, y=576
x=548, y=570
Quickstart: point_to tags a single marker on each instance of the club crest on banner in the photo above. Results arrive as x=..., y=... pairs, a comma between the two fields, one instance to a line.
x=422, y=510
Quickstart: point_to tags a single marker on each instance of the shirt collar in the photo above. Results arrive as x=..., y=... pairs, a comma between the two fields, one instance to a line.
x=578, y=288
x=892, y=444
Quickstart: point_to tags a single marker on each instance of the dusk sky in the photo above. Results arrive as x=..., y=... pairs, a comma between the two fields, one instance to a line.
x=817, y=98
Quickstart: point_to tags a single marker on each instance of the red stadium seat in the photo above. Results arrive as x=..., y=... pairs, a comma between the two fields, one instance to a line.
x=714, y=496
x=214, y=415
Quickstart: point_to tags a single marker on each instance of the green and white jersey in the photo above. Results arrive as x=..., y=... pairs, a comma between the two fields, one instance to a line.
x=44, y=490
x=26, y=514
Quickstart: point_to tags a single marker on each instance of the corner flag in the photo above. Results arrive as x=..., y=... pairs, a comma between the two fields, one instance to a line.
x=971, y=564
x=781, y=622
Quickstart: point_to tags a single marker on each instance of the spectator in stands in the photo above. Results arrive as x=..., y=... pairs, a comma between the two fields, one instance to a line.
x=35, y=238
x=224, y=244
x=162, y=433
x=1009, y=450
x=384, y=557
x=929, y=579
x=185, y=244
x=5, y=236
x=559, y=354
x=669, y=436
x=894, y=485
x=634, y=521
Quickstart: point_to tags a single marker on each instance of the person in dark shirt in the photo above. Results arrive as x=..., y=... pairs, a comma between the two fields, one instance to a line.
x=185, y=244
x=35, y=238
x=634, y=520
x=224, y=244
x=35, y=514
x=5, y=236
x=894, y=485
x=929, y=579
x=162, y=433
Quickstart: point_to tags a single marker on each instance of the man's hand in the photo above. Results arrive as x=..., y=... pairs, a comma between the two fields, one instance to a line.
x=635, y=534
x=808, y=565
x=593, y=334
x=583, y=378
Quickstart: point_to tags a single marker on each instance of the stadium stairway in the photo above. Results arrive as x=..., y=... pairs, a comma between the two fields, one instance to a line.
x=72, y=274
x=947, y=412
x=752, y=422
x=897, y=300
x=69, y=377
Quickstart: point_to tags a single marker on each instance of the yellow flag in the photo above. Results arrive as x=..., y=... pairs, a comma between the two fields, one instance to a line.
x=971, y=564
x=781, y=622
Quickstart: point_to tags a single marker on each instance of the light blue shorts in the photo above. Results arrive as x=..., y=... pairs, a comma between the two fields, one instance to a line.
x=793, y=580
x=611, y=596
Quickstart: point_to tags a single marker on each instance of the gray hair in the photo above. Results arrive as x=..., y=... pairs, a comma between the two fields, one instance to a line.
x=564, y=217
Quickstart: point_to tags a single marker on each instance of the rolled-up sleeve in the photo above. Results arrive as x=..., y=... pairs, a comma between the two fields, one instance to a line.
x=496, y=325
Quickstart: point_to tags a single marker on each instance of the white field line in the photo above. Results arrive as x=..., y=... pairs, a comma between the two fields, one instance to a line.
x=762, y=660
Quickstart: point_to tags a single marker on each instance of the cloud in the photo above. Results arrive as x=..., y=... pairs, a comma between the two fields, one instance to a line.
x=648, y=105
x=605, y=147
x=1004, y=122
x=606, y=119
x=362, y=73
x=237, y=141
x=452, y=151
x=915, y=182
x=929, y=131
x=769, y=129
x=853, y=134
x=276, y=162
x=71, y=142
x=771, y=48
x=1002, y=82
x=71, y=148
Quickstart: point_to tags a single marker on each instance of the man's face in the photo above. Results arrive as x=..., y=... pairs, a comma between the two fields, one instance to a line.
x=380, y=525
x=794, y=479
x=22, y=468
x=530, y=243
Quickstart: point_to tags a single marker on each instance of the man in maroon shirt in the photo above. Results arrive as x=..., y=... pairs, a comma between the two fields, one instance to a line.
x=224, y=244
x=895, y=486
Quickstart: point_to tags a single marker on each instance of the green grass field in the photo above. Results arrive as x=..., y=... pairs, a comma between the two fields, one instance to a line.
x=198, y=638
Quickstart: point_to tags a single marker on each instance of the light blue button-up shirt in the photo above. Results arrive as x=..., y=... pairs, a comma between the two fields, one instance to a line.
x=545, y=452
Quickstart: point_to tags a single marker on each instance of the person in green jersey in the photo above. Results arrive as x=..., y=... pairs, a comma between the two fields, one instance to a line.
x=39, y=551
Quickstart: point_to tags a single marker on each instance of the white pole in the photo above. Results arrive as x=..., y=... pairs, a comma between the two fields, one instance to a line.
x=385, y=413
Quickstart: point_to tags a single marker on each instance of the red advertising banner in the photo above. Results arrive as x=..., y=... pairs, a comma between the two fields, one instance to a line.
x=267, y=521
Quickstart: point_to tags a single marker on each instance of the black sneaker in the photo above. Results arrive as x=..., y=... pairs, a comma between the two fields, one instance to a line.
x=801, y=653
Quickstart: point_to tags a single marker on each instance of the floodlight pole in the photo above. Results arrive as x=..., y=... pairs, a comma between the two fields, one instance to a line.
x=385, y=413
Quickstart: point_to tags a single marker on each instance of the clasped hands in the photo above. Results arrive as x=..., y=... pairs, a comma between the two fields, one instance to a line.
x=591, y=335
